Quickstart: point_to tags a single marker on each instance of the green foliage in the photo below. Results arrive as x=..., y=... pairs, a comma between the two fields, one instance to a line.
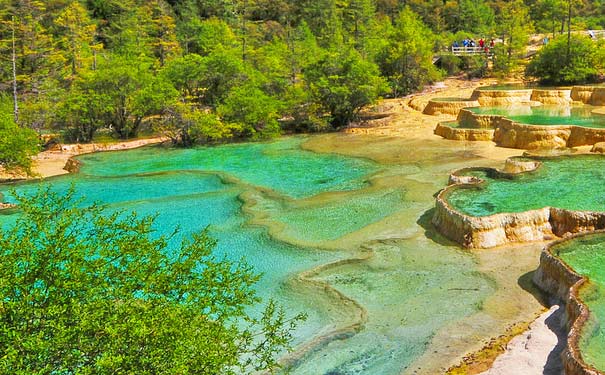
x=222, y=71
x=129, y=91
x=474, y=66
x=186, y=125
x=514, y=25
x=122, y=57
x=473, y=16
x=563, y=63
x=407, y=58
x=17, y=144
x=343, y=83
x=86, y=291
x=252, y=112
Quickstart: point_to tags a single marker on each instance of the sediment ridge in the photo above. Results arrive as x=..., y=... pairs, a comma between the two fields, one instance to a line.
x=558, y=279
x=510, y=134
x=499, y=229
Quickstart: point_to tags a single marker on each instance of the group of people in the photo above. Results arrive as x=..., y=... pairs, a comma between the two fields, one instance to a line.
x=482, y=43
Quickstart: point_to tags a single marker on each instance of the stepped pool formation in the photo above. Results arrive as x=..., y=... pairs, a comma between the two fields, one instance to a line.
x=343, y=237
x=546, y=115
x=538, y=199
x=528, y=126
x=525, y=118
x=574, y=271
x=543, y=199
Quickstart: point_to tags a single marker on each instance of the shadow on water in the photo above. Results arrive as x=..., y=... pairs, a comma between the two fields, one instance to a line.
x=424, y=221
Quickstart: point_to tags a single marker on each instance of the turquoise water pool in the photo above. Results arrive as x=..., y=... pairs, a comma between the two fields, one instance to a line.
x=586, y=255
x=546, y=115
x=263, y=200
x=570, y=182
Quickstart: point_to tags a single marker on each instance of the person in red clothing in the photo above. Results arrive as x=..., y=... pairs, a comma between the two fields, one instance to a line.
x=481, y=43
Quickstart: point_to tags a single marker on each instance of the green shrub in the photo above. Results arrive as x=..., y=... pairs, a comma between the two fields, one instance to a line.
x=553, y=64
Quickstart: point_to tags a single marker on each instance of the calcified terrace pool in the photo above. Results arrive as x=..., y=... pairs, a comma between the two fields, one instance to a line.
x=569, y=182
x=586, y=255
x=302, y=218
x=545, y=115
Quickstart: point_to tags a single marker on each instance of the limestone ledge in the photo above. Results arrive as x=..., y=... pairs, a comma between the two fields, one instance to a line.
x=479, y=121
x=445, y=107
x=511, y=134
x=516, y=135
x=504, y=228
x=502, y=97
x=5, y=206
x=558, y=279
x=463, y=134
x=552, y=96
x=593, y=95
x=72, y=165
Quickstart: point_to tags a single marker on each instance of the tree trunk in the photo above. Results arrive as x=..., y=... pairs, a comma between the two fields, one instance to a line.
x=569, y=32
x=14, y=61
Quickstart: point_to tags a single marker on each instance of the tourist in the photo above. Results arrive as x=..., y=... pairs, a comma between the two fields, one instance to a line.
x=492, y=43
x=591, y=34
x=481, y=43
x=455, y=45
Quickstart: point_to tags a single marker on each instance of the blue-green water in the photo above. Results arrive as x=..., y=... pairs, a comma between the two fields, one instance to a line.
x=263, y=200
x=547, y=115
x=570, y=182
x=586, y=255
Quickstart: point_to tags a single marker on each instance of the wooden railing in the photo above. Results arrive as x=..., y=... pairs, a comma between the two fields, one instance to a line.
x=463, y=51
x=598, y=34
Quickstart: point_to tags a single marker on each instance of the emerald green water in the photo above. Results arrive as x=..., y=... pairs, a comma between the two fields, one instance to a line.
x=287, y=210
x=586, y=255
x=547, y=115
x=569, y=182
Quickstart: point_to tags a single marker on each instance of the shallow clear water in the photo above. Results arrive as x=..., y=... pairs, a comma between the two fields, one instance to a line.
x=287, y=210
x=280, y=166
x=570, y=182
x=547, y=115
x=586, y=255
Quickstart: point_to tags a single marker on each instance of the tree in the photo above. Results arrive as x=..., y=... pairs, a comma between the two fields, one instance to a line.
x=77, y=33
x=343, y=83
x=473, y=16
x=83, y=111
x=17, y=144
x=253, y=112
x=222, y=71
x=550, y=65
x=84, y=291
x=550, y=15
x=131, y=90
x=407, y=58
x=186, y=126
x=514, y=24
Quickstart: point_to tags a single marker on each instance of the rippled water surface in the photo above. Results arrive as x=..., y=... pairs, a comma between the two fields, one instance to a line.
x=308, y=220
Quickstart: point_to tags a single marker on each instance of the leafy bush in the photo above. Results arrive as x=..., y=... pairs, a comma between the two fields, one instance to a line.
x=252, y=111
x=84, y=291
x=17, y=144
x=553, y=64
